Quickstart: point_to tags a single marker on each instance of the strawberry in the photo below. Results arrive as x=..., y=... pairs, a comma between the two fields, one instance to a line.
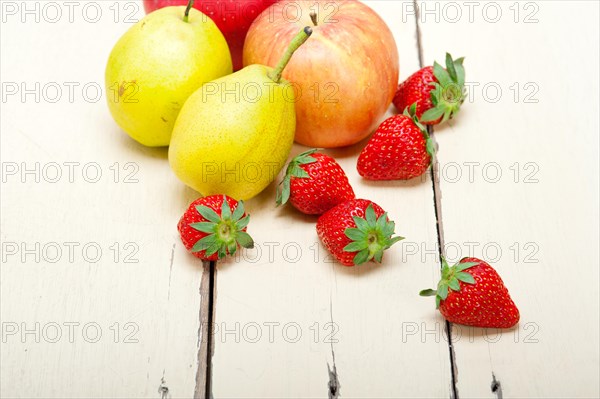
x=472, y=293
x=314, y=183
x=215, y=226
x=356, y=231
x=438, y=92
x=400, y=149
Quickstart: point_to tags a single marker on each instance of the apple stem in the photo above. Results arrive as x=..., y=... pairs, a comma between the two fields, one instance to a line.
x=295, y=44
x=186, y=16
x=313, y=17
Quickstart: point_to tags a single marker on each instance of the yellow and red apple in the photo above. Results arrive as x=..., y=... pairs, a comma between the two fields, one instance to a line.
x=345, y=76
x=233, y=18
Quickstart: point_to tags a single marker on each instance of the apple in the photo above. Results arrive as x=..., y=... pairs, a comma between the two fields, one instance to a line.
x=233, y=18
x=345, y=76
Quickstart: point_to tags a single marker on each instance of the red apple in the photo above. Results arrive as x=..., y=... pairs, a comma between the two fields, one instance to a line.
x=233, y=18
x=345, y=76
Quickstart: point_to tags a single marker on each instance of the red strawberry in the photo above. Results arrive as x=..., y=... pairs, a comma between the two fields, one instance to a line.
x=438, y=92
x=314, y=183
x=472, y=293
x=400, y=149
x=214, y=226
x=356, y=231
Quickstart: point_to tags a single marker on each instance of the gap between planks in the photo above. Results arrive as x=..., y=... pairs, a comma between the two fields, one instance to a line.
x=203, y=389
x=437, y=204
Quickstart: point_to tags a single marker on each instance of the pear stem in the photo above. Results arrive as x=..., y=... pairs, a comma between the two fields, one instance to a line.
x=186, y=16
x=313, y=17
x=297, y=41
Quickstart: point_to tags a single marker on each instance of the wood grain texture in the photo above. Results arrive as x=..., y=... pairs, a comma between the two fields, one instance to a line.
x=541, y=213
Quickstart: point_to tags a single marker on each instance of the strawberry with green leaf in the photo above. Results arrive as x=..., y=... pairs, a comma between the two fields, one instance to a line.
x=314, y=183
x=400, y=149
x=215, y=226
x=472, y=293
x=356, y=231
x=438, y=92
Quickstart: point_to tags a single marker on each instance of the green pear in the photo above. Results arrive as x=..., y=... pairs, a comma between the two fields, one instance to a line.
x=157, y=64
x=235, y=133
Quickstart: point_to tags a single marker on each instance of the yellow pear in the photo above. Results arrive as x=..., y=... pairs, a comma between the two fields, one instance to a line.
x=157, y=64
x=235, y=133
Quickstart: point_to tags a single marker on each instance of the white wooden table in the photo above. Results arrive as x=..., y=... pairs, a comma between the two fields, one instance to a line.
x=99, y=298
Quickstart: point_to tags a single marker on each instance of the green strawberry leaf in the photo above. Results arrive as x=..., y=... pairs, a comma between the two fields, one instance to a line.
x=450, y=67
x=460, y=71
x=361, y=223
x=443, y=291
x=354, y=234
x=283, y=194
x=299, y=173
x=465, y=277
x=294, y=170
x=371, y=236
x=232, y=248
x=463, y=266
x=447, y=115
x=441, y=75
x=445, y=266
x=411, y=110
x=449, y=92
x=389, y=228
x=225, y=209
x=454, y=284
x=243, y=222
x=356, y=246
x=430, y=148
x=361, y=257
x=245, y=240
x=304, y=157
x=204, y=243
x=411, y=113
x=451, y=275
x=432, y=114
x=370, y=216
x=205, y=227
x=212, y=249
x=382, y=222
x=208, y=214
x=239, y=211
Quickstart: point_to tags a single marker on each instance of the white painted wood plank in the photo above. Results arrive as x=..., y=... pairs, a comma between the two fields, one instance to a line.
x=550, y=210
x=371, y=355
x=156, y=289
x=376, y=310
